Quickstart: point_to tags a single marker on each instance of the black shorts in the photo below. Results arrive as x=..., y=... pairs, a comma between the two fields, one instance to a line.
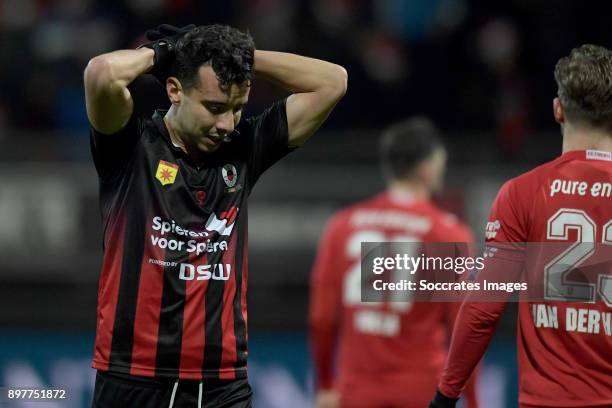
x=114, y=390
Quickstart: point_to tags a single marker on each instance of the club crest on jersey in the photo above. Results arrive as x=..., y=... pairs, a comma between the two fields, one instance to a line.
x=492, y=229
x=230, y=175
x=166, y=172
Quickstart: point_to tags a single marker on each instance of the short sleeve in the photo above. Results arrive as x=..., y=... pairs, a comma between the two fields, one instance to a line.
x=268, y=137
x=112, y=152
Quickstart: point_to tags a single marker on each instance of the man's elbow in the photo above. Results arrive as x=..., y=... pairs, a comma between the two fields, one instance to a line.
x=338, y=82
x=99, y=72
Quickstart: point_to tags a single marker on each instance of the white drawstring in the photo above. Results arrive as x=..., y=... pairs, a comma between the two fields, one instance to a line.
x=173, y=393
x=200, y=395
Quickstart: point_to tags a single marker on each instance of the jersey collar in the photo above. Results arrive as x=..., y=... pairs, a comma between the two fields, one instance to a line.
x=600, y=155
x=158, y=119
x=160, y=125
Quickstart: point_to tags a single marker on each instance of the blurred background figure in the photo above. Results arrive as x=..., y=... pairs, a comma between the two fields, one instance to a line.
x=390, y=353
x=475, y=67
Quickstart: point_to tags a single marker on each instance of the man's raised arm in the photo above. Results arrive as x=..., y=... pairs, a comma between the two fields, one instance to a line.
x=108, y=100
x=316, y=85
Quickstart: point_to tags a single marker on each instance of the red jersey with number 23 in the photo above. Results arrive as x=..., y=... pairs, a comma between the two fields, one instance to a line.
x=564, y=348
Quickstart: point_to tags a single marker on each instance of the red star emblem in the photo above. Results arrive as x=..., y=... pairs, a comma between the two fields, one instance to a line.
x=166, y=175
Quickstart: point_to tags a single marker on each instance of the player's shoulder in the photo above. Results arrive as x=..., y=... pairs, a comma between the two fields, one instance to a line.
x=275, y=111
x=372, y=211
x=346, y=215
x=525, y=185
x=339, y=220
x=153, y=126
x=533, y=178
x=448, y=227
x=454, y=224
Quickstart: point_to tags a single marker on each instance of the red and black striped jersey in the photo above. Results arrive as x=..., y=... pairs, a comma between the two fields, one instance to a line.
x=173, y=285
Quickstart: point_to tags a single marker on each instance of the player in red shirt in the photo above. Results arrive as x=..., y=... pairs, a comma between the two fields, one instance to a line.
x=389, y=354
x=564, y=349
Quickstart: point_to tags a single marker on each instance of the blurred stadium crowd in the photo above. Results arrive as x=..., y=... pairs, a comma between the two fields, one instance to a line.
x=470, y=64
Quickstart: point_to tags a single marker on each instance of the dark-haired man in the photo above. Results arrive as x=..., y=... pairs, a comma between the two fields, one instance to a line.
x=172, y=320
x=389, y=354
x=564, y=349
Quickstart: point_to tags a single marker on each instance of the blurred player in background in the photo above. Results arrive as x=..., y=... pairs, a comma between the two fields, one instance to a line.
x=564, y=349
x=389, y=354
x=172, y=321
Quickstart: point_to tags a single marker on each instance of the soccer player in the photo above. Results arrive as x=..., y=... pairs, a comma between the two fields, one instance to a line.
x=389, y=354
x=172, y=313
x=564, y=349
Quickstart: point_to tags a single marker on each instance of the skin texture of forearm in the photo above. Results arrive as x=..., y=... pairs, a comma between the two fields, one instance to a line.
x=108, y=100
x=317, y=86
x=296, y=73
x=124, y=66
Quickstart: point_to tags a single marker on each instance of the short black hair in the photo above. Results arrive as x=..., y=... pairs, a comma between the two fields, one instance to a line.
x=229, y=51
x=404, y=145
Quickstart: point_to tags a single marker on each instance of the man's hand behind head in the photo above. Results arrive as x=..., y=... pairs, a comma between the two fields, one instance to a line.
x=163, y=42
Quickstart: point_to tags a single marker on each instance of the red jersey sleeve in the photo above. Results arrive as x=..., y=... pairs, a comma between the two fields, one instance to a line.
x=462, y=235
x=475, y=323
x=325, y=302
x=508, y=225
